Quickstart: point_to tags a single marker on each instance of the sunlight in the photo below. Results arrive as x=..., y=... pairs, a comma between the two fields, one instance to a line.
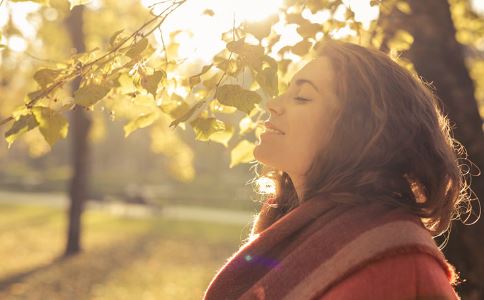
x=208, y=19
x=265, y=185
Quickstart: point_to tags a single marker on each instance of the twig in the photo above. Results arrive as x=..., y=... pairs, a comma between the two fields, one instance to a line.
x=84, y=68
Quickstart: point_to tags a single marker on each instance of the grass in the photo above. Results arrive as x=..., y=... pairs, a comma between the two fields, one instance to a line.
x=122, y=258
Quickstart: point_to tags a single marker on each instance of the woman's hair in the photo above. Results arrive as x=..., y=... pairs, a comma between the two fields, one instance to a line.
x=390, y=142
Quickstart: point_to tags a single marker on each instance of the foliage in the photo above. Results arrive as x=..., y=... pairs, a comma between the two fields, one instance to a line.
x=252, y=67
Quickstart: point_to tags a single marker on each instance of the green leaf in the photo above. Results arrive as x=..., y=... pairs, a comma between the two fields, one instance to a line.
x=242, y=153
x=223, y=137
x=90, y=94
x=190, y=114
x=46, y=76
x=20, y=126
x=137, y=48
x=151, y=82
x=205, y=127
x=52, y=124
x=78, y=2
x=140, y=122
x=236, y=96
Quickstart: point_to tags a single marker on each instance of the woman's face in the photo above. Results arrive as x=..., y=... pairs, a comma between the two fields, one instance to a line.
x=304, y=113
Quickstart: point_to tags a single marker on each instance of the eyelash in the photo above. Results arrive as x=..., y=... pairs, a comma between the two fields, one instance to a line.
x=301, y=99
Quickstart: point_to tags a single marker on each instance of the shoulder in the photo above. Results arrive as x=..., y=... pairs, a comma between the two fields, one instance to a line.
x=400, y=276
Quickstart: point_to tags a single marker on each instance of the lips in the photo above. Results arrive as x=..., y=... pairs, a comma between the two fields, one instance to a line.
x=269, y=125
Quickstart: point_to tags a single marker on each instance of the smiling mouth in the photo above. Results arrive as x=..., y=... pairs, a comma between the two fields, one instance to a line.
x=274, y=131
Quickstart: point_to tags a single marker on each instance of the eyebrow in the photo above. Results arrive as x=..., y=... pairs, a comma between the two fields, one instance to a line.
x=302, y=81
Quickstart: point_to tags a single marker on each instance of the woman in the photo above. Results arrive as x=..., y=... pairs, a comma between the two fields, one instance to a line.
x=366, y=172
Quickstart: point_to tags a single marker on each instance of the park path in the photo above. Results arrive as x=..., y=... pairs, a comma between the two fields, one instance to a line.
x=178, y=212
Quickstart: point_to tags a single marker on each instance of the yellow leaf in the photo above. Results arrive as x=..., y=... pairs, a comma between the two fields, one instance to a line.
x=140, y=122
x=268, y=81
x=151, y=82
x=223, y=137
x=242, y=153
x=301, y=48
x=234, y=95
x=404, y=7
x=23, y=124
x=78, y=2
x=44, y=2
x=402, y=40
x=137, y=48
x=190, y=114
x=46, y=76
x=52, y=124
x=205, y=127
x=90, y=94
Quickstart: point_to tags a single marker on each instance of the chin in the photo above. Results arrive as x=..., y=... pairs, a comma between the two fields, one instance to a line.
x=264, y=155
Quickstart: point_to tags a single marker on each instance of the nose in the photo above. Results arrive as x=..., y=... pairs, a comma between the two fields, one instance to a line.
x=274, y=106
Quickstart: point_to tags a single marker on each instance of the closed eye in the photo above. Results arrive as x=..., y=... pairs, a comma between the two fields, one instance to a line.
x=301, y=99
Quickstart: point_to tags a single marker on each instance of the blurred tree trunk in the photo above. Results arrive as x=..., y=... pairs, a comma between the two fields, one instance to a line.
x=80, y=125
x=439, y=59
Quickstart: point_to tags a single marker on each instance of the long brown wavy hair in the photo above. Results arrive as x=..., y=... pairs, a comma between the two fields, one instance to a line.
x=391, y=142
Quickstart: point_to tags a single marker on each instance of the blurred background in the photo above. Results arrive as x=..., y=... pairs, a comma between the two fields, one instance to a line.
x=153, y=215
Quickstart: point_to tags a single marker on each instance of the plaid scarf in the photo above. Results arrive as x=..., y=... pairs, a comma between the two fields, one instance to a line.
x=317, y=245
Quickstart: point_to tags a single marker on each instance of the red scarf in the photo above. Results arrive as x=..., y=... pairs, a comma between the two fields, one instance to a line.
x=315, y=246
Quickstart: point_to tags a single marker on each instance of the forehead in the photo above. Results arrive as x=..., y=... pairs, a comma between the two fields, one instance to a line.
x=319, y=71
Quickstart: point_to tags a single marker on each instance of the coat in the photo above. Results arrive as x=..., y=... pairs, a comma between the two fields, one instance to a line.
x=328, y=250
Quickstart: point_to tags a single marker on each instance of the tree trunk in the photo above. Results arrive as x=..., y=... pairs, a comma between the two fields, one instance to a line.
x=439, y=59
x=80, y=124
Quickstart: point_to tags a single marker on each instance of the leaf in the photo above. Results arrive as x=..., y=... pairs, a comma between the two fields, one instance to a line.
x=46, y=76
x=195, y=79
x=223, y=137
x=228, y=66
x=137, y=48
x=90, y=94
x=401, y=40
x=205, y=127
x=113, y=39
x=262, y=28
x=268, y=81
x=308, y=29
x=44, y=2
x=190, y=114
x=140, y=122
x=151, y=82
x=404, y=7
x=236, y=96
x=242, y=153
x=52, y=124
x=301, y=48
x=208, y=12
x=78, y=2
x=20, y=126
x=251, y=54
